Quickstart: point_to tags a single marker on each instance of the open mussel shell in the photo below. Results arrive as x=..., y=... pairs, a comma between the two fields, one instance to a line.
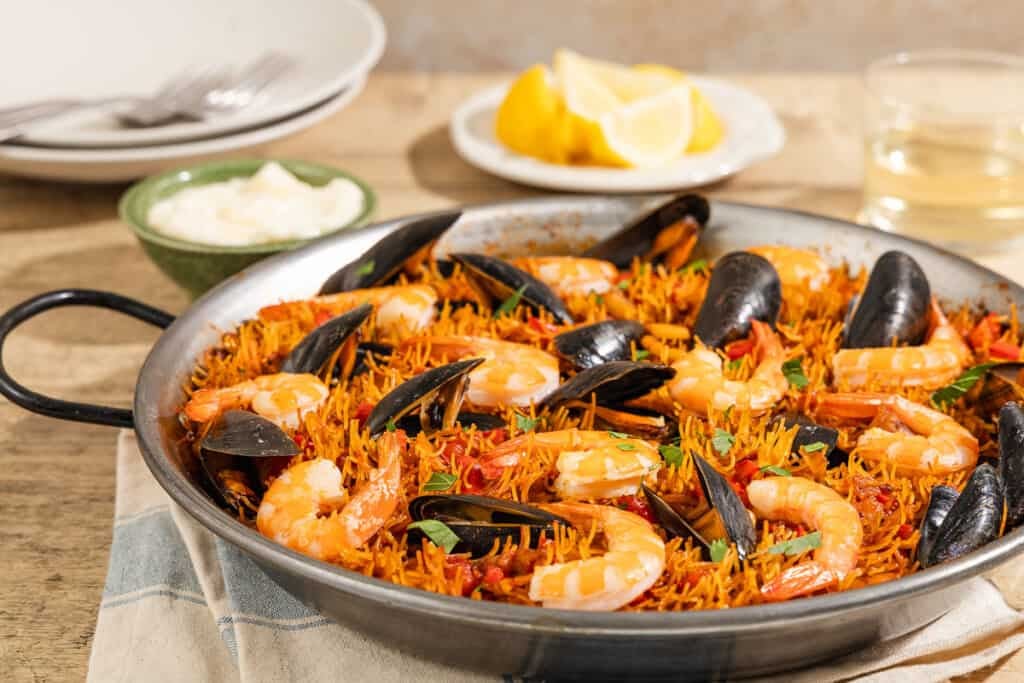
x=245, y=434
x=611, y=384
x=379, y=352
x=484, y=422
x=743, y=287
x=381, y=262
x=939, y=504
x=809, y=432
x=1003, y=383
x=972, y=521
x=1011, y=461
x=671, y=520
x=603, y=342
x=479, y=521
x=500, y=280
x=319, y=346
x=421, y=393
x=894, y=305
x=655, y=233
x=233, y=482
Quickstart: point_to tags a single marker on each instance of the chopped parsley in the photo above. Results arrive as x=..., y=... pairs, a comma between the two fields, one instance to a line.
x=510, y=303
x=694, y=266
x=624, y=284
x=734, y=365
x=722, y=441
x=775, y=469
x=390, y=426
x=960, y=386
x=672, y=455
x=795, y=546
x=794, y=372
x=718, y=549
x=366, y=268
x=524, y=423
x=438, y=532
x=814, y=447
x=618, y=435
x=626, y=446
x=440, y=481
x=641, y=354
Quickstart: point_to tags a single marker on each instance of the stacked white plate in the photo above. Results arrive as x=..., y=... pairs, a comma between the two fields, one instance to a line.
x=72, y=49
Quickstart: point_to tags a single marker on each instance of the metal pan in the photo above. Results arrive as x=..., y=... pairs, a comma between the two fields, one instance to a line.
x=509, y=639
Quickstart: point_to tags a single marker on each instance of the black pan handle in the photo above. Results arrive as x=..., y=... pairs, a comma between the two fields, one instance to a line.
x=53, y=407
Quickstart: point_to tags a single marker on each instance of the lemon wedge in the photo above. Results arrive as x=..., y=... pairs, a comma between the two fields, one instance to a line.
x=532, y=119
x=625, y=83
x=587, y=99
x=708, y=129
x=648, y=132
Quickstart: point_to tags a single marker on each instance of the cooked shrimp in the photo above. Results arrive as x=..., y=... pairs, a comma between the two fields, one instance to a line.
x=934, y=364
x=798, y=500
x=294, y=508
x=937, y=444
x=633, y=562
x=571, y=275
x=700, y=383
x=282, y=398
x=511, y=373
x=399, y=308
x=796, y=267
x=590, y=464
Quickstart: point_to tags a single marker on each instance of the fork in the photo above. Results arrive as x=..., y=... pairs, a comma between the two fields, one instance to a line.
x=193, y=95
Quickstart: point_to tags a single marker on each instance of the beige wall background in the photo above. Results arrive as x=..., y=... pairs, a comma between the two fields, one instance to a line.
x=835, y=35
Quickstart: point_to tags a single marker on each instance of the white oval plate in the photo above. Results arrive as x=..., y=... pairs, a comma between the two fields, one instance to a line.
x=115, y=165
x=753, y=133
x=107, y=49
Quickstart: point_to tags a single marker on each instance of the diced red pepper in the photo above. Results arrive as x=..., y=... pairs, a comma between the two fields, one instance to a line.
x=741, y=491
x=455, y=450
x=300, y=441
x=496, y=436
x=363, y=411
x=1001, y=349
x=638, y=506
x=738, y=349
x=321, y=317
x=473, y=478
x=471, y=576
x=985, y=332
x=746, y=469
x=540, y=326
x=493, y=574
x=905, y=532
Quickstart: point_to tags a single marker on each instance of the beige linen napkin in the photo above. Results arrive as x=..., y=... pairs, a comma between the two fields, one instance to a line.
x=181, y=605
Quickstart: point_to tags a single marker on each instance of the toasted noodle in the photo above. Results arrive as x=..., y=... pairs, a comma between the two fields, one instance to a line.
x=891, y=503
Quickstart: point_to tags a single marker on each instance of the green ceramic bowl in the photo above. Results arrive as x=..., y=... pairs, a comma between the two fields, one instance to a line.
x=198, y=267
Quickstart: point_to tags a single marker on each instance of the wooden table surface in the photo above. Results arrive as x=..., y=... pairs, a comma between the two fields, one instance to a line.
x=57, y=478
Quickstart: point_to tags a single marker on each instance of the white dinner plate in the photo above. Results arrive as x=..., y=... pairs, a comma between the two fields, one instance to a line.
x=75, y=49
x=113, y=165
x=753, y=133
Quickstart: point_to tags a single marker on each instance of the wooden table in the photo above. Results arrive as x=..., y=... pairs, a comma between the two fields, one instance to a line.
x=57, y=478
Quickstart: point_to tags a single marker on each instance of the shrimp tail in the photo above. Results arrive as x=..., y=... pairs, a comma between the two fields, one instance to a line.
x=799, y=580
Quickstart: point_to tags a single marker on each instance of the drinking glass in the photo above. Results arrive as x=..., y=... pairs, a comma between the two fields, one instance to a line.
x=944, y=147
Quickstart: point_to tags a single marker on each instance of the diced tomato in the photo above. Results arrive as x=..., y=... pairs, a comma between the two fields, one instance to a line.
x=987, y=330
x=454, y=450
x=741, y=491
x=493, y=574
x=539, y=325
x=691, y=579
x=363, y=411
x=1001, y=349
x=471, y=576
x=300, y=441
x=638, y=506
x=905, y=532
x=473, y=478
x=321, y=317
x=746, y=469
x=738, y=349
x=496, y=435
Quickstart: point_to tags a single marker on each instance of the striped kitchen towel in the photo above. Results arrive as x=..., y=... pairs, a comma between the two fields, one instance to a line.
x=181, y=605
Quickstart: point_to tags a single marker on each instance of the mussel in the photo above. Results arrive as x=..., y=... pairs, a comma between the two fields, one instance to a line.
x=480, y=521
x=367, y=350
x=436, y=394
x=500, y=280
x=667, y=234
x=894, y=305
x=743, y=287
x=721, y=515
x=809, y=432
x=611, y=385
x=228, y=452
x=323, y=344
x=1011, y=461
x=1003, y=383
x=939, y=505
x=592, y=345
x=972, y=521
x=381, y=262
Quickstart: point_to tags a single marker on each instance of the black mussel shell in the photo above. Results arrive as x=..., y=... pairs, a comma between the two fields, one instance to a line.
x=672, y=521
x=376, y=350
x=637, y=239
x=245, y=434
x=743, y=287
x=732, y=514
x=942, y=499
x=484, y=422
x=500, y=279
x=232, y=481
x=479, y=521
x=612, y=383
x=973, y=520
x=445, y=267
x=638, y=422
x=592, y=345
x=317, y=347
x=1011, y=461
x=895, y=304
x=809, y=432
x=383, y=260
x=1002, y=384
x=411, y=394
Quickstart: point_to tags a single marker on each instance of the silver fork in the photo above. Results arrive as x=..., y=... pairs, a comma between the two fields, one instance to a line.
x=195, y=96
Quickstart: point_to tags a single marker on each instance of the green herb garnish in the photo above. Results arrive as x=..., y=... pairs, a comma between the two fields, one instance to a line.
x=510, y=303
x=672, y=455
x=734, y=364
x=366, y=268
x=599, y=300
x=693, y=266
x=440, y=481
x=626, y=446
x=524, y=423
x=438, y=532
x=619, y=435
x=794, y=372
x=722, y=441
x=390, y=426
x=624, y=284
x=641, y=354
x=718, y=549
x=775, y=469
x=814, y=447
x=795, y=546
x=960, y=386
